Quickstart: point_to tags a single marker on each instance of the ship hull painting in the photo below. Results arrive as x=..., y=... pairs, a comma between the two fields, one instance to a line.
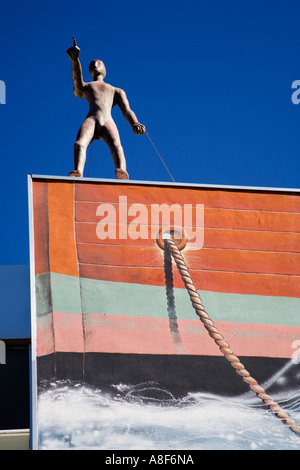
x=111, y=307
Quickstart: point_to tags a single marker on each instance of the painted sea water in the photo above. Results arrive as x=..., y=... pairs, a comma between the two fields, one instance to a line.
x=147, y=417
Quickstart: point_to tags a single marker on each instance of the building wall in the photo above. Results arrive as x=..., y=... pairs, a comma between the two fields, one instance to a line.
x=114, y=310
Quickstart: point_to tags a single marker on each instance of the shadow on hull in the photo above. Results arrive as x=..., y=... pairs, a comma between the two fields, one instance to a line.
x=178, y=374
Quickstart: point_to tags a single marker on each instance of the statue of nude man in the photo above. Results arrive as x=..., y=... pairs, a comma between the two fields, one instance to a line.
x=99, y=123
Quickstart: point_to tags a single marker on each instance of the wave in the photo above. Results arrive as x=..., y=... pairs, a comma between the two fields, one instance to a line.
x=145, y=416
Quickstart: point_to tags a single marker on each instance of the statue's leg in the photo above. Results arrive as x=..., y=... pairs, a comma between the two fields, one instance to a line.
x=110, y=135
x=84, y=137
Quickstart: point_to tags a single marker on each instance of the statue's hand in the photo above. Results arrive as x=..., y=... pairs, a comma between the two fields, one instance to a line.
x=73, y=52
x=138, y=128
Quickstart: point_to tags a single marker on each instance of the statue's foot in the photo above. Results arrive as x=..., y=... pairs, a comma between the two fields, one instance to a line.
x=122, y=175
x=75, y=173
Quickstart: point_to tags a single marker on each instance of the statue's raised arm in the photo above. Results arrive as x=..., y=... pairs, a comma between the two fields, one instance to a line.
x=78, y=83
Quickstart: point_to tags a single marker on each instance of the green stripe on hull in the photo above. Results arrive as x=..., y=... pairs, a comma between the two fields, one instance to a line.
x=151, y=301
x=113, y=298
x=57, y=293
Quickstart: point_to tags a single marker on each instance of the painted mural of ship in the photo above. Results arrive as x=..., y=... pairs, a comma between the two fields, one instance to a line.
x=115, y=310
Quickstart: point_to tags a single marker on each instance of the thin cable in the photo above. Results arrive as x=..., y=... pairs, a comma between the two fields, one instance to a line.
x=160, y=156
x=154, y=149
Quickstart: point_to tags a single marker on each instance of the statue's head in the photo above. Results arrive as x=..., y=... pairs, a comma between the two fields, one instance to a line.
x=97, y=68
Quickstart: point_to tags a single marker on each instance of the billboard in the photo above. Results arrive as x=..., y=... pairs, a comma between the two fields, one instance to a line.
x=121, y=360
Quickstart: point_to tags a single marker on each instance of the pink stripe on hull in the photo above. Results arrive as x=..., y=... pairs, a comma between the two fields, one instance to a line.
x=65, y=332
x=121, y=334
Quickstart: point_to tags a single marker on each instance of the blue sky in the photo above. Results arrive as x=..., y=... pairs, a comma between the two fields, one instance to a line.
x=210, y=80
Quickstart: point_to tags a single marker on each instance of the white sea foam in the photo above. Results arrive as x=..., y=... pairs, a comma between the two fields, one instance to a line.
x=146, y=417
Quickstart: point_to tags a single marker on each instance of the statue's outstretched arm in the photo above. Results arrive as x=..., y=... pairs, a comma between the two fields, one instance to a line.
x=78, y=83
x=123, y=103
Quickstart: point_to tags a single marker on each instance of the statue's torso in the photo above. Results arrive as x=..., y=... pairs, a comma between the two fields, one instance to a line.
x=100, y=96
